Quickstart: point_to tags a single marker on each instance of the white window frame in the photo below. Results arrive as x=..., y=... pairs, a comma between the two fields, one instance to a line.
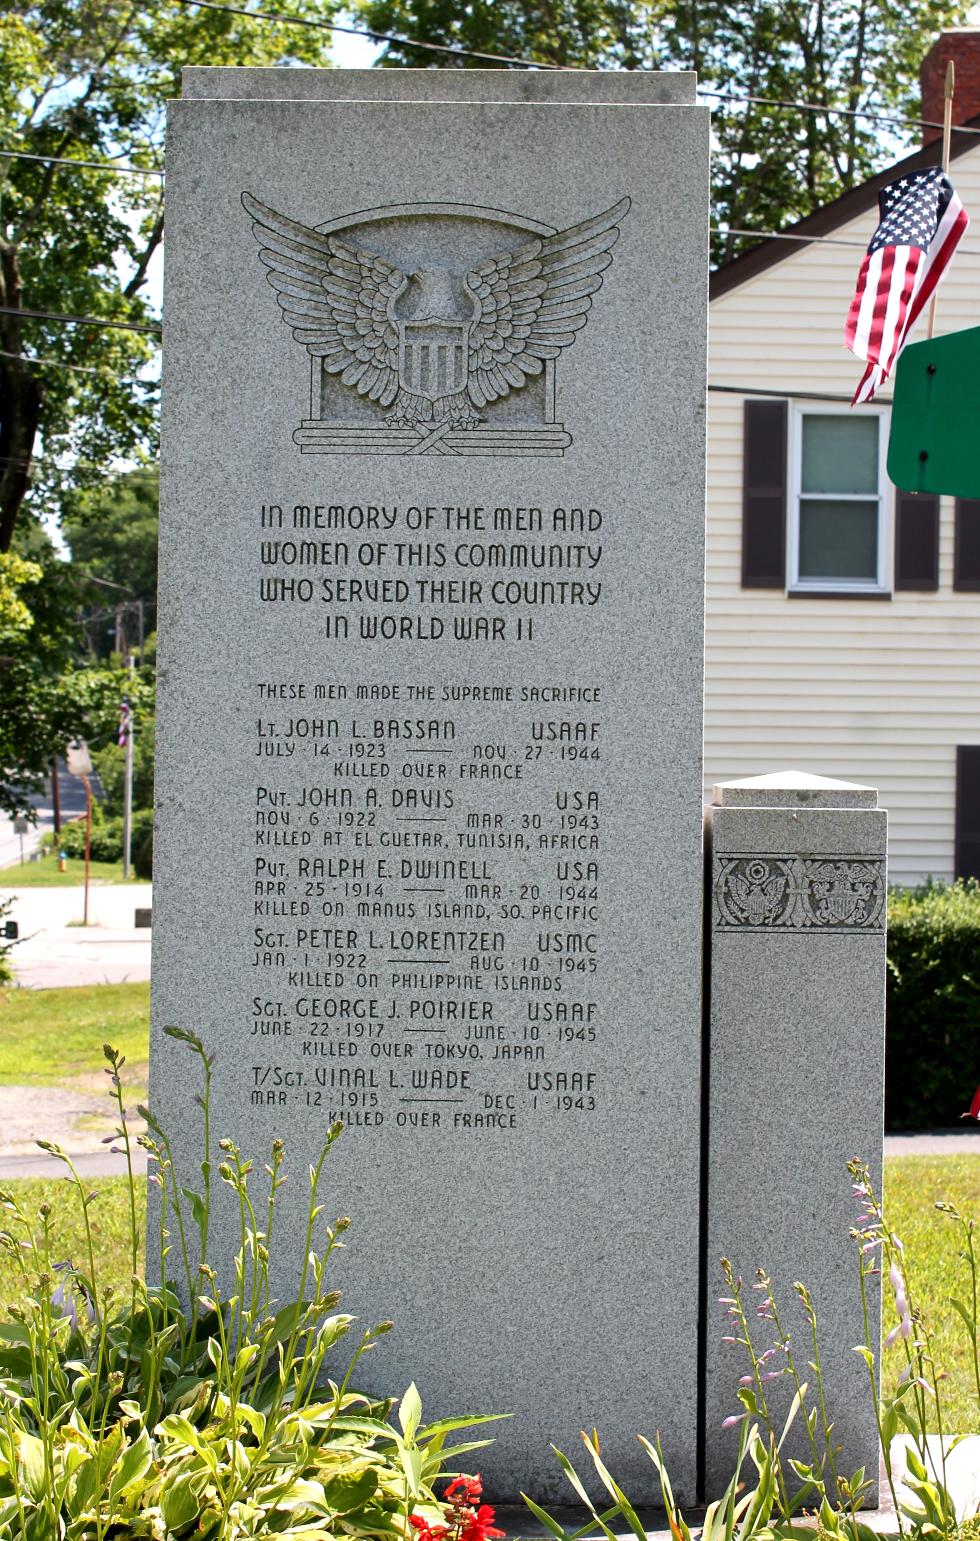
x=881, y=583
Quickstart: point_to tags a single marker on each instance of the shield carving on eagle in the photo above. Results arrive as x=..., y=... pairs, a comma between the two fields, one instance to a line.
x=434, y=328
x=432, y=357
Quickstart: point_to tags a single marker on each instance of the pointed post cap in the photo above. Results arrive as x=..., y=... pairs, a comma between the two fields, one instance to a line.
x=792, y=789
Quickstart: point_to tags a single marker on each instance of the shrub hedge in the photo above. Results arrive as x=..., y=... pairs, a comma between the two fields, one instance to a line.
x=106, y=842
x=932, y=1054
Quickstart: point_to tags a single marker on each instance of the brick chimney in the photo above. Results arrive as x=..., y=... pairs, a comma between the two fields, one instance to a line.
x=962, y=45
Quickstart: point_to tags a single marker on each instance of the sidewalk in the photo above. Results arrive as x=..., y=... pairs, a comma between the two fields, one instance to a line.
x=56, y=950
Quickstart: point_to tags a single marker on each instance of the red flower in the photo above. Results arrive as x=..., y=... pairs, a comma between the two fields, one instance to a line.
x=472, y=1487
x=426, y=1531
x=480, y=1526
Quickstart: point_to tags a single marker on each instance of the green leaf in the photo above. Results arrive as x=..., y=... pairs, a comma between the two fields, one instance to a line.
x=889, y=1423
x=552, y=1526
x=708, y=1523
x=30, y=1462
x=411, y=1462
x=80, y=1492
x=575, y=1480
x=350, y=1490
x=442, y=1459
x=410, y=1411
x=613, y=1488
x=135, y=1462
x=197, y=1206
x=961, y=1310
x=179, y=1502
x=180, y=1431
x=356, y=1424
x=448, y=1425
x=795, y=1406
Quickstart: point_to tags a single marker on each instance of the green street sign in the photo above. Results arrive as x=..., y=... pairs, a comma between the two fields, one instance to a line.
x=934, y=445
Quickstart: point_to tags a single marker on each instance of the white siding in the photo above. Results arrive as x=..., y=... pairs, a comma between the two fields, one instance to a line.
x=877, y=691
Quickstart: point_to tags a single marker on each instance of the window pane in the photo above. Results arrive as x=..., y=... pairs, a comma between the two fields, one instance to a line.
x=838, y=539
x=840, y=454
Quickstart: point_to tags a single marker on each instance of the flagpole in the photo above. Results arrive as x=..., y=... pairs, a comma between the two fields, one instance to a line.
x=127, y=837
x=947, y=136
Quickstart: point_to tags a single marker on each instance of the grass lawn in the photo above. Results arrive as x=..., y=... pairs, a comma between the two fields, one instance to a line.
x=48, y=1037
x=45, y=874
x=109, y=1217
x=936, y=1271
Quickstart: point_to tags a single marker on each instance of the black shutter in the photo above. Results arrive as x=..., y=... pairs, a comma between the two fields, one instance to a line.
x=916, y=541
x=966, y=550
x=764, y=495
x=968, y=811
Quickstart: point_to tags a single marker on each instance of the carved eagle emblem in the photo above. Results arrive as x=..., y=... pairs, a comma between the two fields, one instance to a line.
x=758, y=901
x=434, y=346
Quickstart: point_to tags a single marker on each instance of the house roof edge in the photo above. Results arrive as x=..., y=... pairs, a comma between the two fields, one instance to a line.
x=857, y=200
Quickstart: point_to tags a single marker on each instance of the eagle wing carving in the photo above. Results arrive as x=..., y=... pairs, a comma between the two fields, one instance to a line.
x=531, y=302
x=336, y=298
x=339, y=302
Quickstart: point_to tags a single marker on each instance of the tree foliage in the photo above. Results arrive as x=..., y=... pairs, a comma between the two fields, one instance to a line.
x=47, y=693
x=88, y=81
x=771, y=164
x=112, y=531
x=17, y=576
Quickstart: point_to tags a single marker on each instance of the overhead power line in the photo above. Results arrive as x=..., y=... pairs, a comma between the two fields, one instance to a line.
x=376, y=37
x=816, y=240
x=84, y=369
x=836, y=112
x=741, y=232
x=784, y=104
x=51, y=315
x=539, y=64
x=136, y=472
x=757, y=390
x=67, y=160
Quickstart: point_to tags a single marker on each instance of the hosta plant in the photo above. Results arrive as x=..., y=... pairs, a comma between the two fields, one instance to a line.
x=199, y=1406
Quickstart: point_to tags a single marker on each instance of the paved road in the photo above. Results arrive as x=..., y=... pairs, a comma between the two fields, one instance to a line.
x=55, y=949
x=72, y=807
x=937, y=1142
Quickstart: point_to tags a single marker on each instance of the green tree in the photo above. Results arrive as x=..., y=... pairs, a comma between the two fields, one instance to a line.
x=112, y=531
x=16, y=577
x=85, y=80
x=48, y=696
x=36, y=714
x=110, y=760
x=771, y=165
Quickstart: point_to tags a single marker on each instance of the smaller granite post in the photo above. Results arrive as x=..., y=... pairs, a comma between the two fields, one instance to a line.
x=795, y=1067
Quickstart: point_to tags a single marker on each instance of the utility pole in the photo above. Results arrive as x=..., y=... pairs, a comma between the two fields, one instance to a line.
x=126, y=735
x=56, y=795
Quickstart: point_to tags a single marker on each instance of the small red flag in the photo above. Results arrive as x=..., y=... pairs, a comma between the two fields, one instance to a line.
x=974, y=1108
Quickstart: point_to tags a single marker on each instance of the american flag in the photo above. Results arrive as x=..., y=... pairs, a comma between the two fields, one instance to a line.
x=125, y=723
x=921, y=223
